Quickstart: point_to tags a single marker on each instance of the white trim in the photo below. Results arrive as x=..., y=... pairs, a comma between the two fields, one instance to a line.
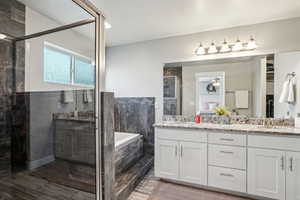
x=38, y=163
x=72, y=53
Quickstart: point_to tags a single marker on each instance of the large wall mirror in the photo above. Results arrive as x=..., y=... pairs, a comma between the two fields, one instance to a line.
x=253, y=86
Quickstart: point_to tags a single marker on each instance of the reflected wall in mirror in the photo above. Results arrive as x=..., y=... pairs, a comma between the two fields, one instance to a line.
x=253, y=86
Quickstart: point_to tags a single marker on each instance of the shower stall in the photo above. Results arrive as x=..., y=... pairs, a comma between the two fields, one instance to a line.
x=54, y=116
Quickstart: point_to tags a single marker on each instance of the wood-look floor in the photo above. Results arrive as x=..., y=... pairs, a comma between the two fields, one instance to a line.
x=152, y=188
x=26, y=187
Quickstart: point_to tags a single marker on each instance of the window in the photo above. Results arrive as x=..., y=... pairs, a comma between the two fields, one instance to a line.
x=65, y=67
x=57, y=66
x=84, y=72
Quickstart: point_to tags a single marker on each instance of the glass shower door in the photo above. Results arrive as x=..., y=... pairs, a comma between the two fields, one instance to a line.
x=51, y=102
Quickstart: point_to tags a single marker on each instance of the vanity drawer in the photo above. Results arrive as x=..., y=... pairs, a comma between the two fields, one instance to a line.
x=227, y=139
x=274, y=142
x=228, y=179
x=181, y=134
x=227, y=156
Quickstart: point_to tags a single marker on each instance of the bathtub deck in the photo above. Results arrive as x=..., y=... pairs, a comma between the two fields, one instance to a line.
x=127, y=181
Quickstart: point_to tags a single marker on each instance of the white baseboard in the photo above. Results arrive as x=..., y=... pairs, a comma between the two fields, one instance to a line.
x=38, y=163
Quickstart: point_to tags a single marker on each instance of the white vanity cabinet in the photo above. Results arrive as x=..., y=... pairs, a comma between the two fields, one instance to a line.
x=266, y=173
x=273, y=167
x=167, y=162
x=179, y=157
x=256, y=165
x=227, y=161
x=293, y=176
x=193, y=162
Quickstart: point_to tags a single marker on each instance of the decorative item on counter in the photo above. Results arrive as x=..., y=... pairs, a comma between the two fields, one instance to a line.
x=198, y=119
x=223, y=115
x=222, y=111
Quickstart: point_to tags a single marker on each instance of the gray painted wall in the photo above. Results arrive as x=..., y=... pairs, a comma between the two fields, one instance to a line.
x=136, y=70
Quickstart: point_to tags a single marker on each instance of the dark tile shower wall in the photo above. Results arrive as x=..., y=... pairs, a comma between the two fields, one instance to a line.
x=12, y=22
x=136, y=115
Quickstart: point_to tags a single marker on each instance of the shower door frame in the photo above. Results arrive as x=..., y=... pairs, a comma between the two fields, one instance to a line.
x=98, y=19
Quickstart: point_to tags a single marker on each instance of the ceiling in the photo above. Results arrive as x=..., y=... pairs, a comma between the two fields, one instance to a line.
x=56, y=10
x=140, y=20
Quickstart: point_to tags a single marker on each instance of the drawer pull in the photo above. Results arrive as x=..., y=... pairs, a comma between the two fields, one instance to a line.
x=227, y=152
x=282, y=163
x=176, y=151
x=181, y=150
x=291, y=164
x=227, y=139
x=227, y=175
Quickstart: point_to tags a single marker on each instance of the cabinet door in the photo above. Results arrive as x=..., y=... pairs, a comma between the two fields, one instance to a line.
x=266, y=173
x=293, y=176
x=193, y=162
x=167, y=159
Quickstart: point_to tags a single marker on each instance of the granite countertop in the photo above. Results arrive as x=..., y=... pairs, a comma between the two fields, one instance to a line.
x=78, y=119
x=232, y=127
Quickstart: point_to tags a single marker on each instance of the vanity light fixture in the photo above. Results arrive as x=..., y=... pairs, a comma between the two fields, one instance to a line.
x=238, y=46
x=251, y=44
x=212, y=49
x=2, y=36
x=200, y=50
x=225, y=47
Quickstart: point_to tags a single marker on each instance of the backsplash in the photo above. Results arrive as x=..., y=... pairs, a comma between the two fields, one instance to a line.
x=215, y=119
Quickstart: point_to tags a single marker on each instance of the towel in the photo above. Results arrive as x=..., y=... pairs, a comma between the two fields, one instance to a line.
x=288, y=93
x=284, y=92
x=67, y=97
x=87, y=96
x=291, y=95
x=242, y=99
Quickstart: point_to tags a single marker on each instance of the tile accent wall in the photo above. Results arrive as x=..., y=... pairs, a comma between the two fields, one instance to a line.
x=108, y=144
x=12, y=22
x=136, y=115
